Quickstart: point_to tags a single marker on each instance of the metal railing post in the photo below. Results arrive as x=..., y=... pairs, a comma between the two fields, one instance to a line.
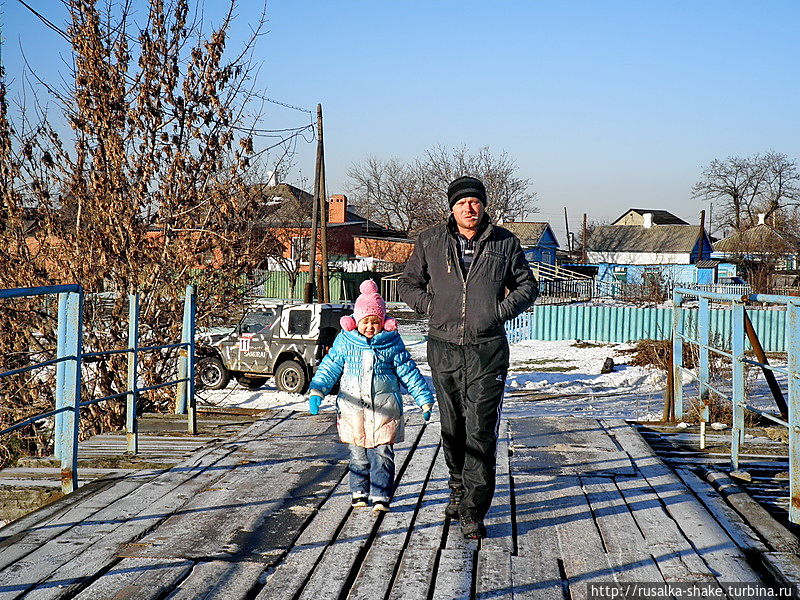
x=677, y=353
x=180, y=388
x=704, y=337
x=189, y=314
x=793, y=355
x=71, y=392
x=131, y=420
x=737, y=366
x=61, y=352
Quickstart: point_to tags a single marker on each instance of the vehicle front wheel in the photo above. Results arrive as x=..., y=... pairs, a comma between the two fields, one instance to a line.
x=251, y=383
x=290, y=376
x=211, y=374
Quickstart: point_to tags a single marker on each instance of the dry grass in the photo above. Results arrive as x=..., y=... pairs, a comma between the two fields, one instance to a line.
x=656, y=353
x=720, y=410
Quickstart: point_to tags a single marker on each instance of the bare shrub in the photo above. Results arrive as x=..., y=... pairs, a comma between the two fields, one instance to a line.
x=149, y=192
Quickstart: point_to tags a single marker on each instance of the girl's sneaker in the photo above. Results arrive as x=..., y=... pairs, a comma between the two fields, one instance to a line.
x=359, y=502
x=380, y=506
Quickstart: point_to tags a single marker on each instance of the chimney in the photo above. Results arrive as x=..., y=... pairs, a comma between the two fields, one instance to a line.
x=337, y=209
x=648, y=220
x=761, y=217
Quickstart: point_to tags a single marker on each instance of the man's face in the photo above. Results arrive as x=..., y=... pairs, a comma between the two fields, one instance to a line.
x=468, y=213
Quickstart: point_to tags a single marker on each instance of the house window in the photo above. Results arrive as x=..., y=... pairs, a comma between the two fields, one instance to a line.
x=620, y=274
x=300, y=249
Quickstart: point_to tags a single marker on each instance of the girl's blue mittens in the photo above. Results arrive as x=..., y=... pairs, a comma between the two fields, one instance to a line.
x=313, y=404
x=426, y=411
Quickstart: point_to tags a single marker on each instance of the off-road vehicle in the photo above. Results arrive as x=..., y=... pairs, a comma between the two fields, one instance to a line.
x=286, y=341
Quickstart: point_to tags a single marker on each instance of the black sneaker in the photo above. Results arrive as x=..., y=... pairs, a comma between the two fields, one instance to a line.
x=359, y=502
x=456, y=494
x=380, y=506
x=472, y=528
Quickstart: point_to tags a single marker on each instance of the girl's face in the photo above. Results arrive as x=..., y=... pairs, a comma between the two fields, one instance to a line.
x=370, y=326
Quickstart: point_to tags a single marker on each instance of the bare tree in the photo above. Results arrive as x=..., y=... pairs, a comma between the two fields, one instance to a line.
x=749, y=186
x=782, y=183
x=148, y=194
x=411, y=196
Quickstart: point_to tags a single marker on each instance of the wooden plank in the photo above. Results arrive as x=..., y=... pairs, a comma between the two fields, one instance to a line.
x=493, y=578
x=134, y=579
x=220, y=580
x=739, y=531
x=779, y=537
x=291, y=574
x=454, y=575
x=499, y=526
x=615, y=522
x=675, y=556
x=707, y=538
x=580, y=543
x=377, y=569
x=536, y=577
x=97, y=539
x=535, y=523
x=633, y=567
x=44, y=518
x=429, y=524
x=571, y=433
x=315, y=547
x=331, y=574
x=415, y=574
x=228, y=519
x=785, y=568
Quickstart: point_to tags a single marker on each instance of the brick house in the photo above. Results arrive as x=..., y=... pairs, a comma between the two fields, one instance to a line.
x=286, y=214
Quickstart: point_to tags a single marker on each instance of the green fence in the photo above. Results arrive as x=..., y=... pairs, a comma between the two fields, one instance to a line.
x=620, y=324
x=276, y=284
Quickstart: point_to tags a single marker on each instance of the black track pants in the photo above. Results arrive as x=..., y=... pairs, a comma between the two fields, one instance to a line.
x=469, y=383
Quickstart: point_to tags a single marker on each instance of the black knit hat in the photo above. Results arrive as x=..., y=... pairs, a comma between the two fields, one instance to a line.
x=466, y=187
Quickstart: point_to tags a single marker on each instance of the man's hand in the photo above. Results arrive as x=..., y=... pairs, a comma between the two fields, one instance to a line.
x=313, y=404
x=426, y=411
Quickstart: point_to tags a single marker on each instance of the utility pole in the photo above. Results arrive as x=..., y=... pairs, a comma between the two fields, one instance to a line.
x=312, y=258
x=569, y=239
x=325, y=291
x=583, y=240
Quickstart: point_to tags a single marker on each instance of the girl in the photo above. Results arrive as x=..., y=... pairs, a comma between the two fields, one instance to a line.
x=371, y=360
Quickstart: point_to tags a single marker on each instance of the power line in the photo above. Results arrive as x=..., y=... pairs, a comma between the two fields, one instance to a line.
x=284, y=104
x=46, y=21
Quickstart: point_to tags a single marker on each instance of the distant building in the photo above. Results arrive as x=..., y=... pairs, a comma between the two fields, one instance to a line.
x=635, y=252
x=761, y=243
x=286, y=213
x=636, y=216
x=537, y=239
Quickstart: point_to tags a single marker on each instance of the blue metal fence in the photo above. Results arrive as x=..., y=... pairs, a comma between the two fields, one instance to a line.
x=619, y=324
x=69, y=357
x=701, y=337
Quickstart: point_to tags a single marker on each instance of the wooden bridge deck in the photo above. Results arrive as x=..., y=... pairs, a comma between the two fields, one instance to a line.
x=266, y=514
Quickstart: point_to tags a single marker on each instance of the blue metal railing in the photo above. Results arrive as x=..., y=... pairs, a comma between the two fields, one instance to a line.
x=738, y=393
x=69, y=356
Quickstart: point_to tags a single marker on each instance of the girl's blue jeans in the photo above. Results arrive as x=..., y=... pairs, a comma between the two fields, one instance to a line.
x=372, y=472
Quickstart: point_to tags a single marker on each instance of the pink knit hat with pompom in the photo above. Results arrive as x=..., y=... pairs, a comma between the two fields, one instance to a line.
x=368, y=304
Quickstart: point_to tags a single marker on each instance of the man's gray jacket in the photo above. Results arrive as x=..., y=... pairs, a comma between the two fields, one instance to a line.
x=473, y=310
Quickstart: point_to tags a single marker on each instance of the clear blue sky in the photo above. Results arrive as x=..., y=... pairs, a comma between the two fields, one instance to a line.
x=604, y=105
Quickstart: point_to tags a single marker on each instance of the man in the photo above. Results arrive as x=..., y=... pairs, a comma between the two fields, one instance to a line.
x=469, y=277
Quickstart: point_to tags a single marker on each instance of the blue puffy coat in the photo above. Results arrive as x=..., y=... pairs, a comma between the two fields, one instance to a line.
x=370, y=406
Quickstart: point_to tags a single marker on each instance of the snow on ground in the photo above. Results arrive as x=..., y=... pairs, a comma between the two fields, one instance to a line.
x=545, y=378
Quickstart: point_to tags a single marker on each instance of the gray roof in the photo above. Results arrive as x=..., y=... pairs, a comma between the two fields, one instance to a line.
x=660, y=217
x=759, y=239
x=528, y=232
x=635, y=238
